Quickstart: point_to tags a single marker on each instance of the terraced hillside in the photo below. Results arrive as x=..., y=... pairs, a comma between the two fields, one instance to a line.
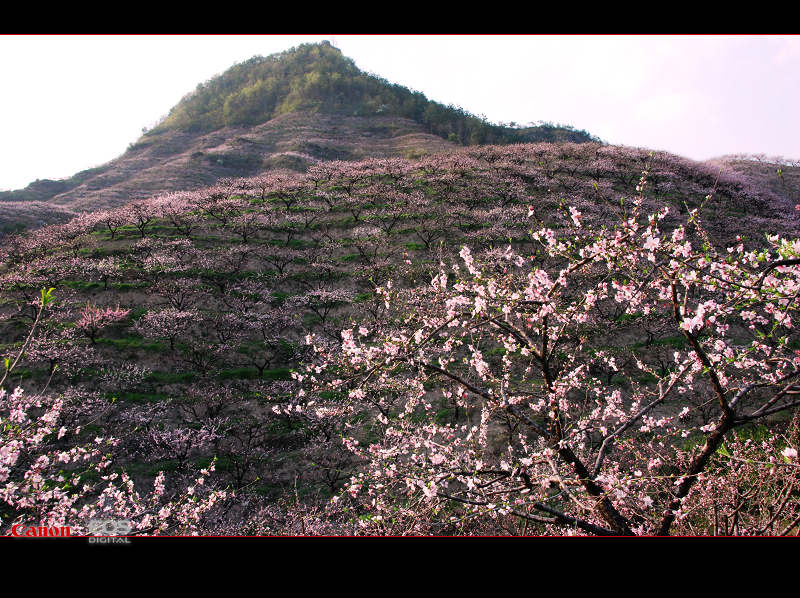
x=179, y=320
x=281, y=112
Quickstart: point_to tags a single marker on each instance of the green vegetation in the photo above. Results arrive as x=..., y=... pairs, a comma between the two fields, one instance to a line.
x=318, y=78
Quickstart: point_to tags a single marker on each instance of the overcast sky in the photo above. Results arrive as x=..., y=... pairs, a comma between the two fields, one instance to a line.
x=72, y=102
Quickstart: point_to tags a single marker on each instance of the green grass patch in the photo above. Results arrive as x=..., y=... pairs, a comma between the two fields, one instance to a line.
x=278, y=374
x=629, y=317
x=172, y=377
x=133, y=342
x=445, y=415
x=153, y=469
x=250, y=373
x=82, y=285
x=128, y=286
x=238, y=374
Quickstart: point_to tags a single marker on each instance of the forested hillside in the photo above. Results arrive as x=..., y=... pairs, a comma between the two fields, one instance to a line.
x=318, y=78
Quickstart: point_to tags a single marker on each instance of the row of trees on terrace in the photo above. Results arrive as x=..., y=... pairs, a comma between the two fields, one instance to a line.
x=590, y=368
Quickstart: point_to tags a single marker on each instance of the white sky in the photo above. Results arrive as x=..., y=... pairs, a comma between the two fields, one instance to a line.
x=72, y=102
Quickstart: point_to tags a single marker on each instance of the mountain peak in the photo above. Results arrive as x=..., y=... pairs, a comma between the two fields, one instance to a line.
x=307, y=104
x=318, y=78
x=307, y=78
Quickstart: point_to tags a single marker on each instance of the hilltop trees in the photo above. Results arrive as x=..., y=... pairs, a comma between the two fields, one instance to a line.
x=317, y=77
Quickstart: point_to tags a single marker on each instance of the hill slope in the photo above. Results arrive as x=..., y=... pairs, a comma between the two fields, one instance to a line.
x=285, y=111
x=178, y=320
x=318, y=78
x=176, y=160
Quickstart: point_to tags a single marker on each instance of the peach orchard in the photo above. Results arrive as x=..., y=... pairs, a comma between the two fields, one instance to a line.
x=521, y=343
x=616, y=375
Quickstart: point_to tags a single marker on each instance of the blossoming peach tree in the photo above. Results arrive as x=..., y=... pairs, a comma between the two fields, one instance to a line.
x=521, y=395
x=52, y=474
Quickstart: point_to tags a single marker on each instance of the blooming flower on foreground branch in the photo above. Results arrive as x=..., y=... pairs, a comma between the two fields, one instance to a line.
x=31, y=462
x=560, y=393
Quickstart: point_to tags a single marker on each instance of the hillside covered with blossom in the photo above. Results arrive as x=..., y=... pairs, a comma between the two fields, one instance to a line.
x=536, y=338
